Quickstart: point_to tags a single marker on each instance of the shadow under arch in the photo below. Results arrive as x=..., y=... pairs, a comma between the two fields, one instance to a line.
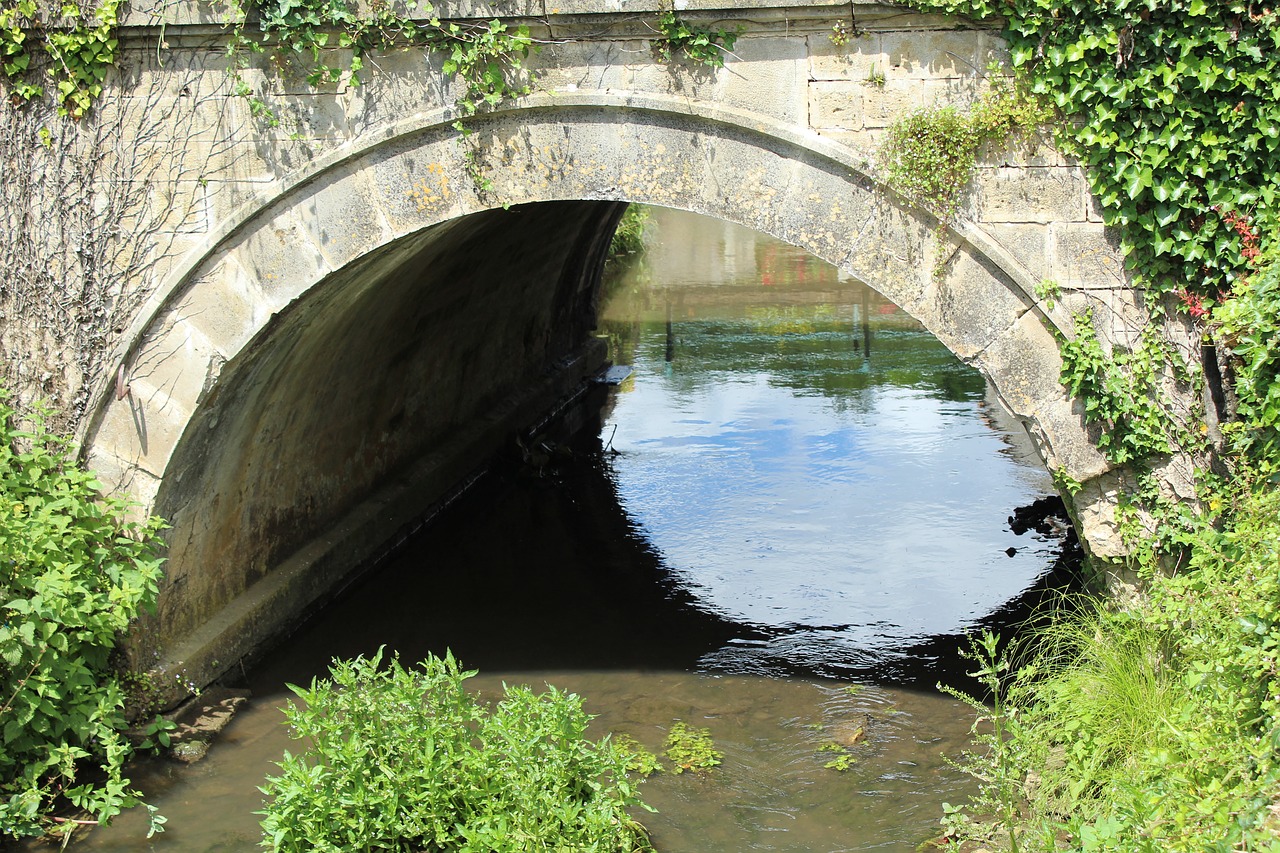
x=376, y=308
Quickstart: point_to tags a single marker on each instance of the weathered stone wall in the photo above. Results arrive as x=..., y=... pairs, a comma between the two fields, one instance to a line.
x=336, y=298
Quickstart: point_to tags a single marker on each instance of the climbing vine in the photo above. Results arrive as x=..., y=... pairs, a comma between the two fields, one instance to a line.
x=1119, y=391
x=1173, y=109
x=312, y=36
x=63, y=44
x=678, y=38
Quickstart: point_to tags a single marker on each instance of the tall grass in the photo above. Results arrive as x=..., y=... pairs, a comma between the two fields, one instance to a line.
x=1153, y=727
x=1099, y=694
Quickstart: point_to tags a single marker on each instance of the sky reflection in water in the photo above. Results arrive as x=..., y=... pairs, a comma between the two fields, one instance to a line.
x=842, y=503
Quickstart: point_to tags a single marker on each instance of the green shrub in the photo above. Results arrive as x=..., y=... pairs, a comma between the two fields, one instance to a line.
x=1153, y=727
x=73, y=573
x=407, y=760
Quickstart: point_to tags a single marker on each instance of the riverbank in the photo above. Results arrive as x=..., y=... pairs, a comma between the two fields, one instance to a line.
x=1154, y=726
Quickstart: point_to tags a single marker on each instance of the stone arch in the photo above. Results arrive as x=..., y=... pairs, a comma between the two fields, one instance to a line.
x=262, y=306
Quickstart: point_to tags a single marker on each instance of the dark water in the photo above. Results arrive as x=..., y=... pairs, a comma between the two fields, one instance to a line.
x=795, y=508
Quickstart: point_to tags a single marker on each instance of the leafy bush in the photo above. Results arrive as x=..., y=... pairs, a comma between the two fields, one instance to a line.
x=403, y=760
x=1162, y=730
x=73, y=573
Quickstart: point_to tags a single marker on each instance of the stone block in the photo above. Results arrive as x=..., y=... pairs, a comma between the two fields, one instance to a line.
x=220, y=305
x=177, y=362
x=142, y=431
x=1095, y=513
x=149, y=13
x=835, y=105
x=1093, y=209
x=822, y=216
x=280, y=257
x=119, y=476
x=604, y=66
x=345, y=217
x=882, y=105
x=1027, y=243
x=935, y=53
x=1024, y=365
x=1036, y=152
x=993, y=51
x=892, y=251
x=970, y=305
x=959, y=92
x=777, y=84
x=1085, y=256
x=857, y=61
x=1009, y=194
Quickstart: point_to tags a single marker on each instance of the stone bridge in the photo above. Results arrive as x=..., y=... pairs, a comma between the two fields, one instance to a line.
x=337, y=324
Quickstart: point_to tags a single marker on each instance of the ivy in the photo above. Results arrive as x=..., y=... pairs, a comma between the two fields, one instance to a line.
x=1119, y=391
x=1250, y=329
x=486, y=57
x=677, y=38
x=61, y=44
x=1173, y=107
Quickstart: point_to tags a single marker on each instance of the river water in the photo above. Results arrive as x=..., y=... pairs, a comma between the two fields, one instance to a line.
x=795, y=508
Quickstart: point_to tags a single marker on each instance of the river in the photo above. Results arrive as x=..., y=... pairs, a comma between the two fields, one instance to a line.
x=794, y=509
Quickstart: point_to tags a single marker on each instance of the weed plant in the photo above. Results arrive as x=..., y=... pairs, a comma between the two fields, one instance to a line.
x=398, y=759
x=930, y=154
x=74, y=572
x=691, y=748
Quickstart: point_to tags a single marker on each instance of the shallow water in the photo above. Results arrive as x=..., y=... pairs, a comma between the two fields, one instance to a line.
x=799, y=507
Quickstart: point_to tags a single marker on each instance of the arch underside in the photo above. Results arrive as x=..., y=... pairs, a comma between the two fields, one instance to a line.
x=381, y=309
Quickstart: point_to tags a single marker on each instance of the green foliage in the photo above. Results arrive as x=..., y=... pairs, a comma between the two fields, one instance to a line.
x=1119, y=392
x=628, y=237
x=1250, y=327
x=1100, y=683
x=930, y=154
x=1172, y=106
x=485, y=57
x=639, y=760
x=59, y=43
x=407, y=760
x=73, y=574
x=690, y=748
x=679, y=39
x=1154, y=727
x=994, y=730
